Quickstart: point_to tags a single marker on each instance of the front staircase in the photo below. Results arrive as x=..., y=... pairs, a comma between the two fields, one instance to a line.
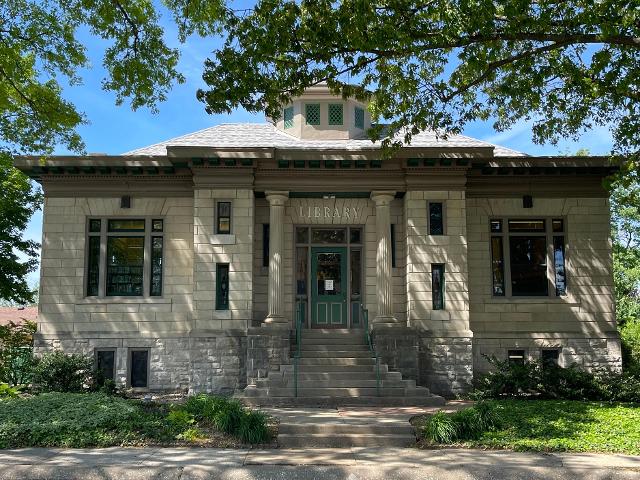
x=336, y=368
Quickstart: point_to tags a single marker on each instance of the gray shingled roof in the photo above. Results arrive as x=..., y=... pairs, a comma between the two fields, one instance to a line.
x=256, y=135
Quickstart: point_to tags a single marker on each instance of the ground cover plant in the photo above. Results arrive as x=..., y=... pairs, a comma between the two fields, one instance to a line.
x=98, y=420
x=541, y=425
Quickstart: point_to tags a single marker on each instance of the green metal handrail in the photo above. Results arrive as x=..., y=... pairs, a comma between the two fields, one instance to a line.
x=296, y=356
x=369, y=342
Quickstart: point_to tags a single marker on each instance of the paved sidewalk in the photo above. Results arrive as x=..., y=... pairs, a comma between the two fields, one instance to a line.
x=338, y=464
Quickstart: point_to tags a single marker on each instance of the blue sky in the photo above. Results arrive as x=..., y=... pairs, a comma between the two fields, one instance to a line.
x=114, y=130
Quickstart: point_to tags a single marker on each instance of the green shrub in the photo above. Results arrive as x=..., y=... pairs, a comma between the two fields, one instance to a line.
x=506, y=379
x=204, y=407
x=440, y=428
x=253, y=427
x=467, y=424
x=180, y=419
x=60, y=372
x=553, y=382
x=571, y=383
x=227, y=418
x=8, y=391
x=16, y=352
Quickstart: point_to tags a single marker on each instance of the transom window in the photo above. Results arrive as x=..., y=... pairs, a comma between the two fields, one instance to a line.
x=528, y=257
x=124, y=257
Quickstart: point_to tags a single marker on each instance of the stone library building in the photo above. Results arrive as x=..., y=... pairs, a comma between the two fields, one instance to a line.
x=295, y=262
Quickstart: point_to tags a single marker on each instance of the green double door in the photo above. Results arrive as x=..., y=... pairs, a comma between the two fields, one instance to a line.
x=329, y=287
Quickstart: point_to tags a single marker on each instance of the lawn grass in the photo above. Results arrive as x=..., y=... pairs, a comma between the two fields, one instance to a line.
x=81, y=420
x=557, y=425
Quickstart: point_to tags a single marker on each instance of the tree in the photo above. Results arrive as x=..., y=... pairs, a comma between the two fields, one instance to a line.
x=440, y=64
x=38, y=48
x=625, y=222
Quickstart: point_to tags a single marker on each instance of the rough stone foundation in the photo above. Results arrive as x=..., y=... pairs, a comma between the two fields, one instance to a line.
x=446, y=364
x=213, y=364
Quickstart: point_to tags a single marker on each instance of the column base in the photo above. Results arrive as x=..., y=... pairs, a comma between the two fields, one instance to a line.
x=275, y=319
x=387, y=321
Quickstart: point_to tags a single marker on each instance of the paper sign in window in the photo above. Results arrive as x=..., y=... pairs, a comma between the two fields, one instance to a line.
x=328, y=285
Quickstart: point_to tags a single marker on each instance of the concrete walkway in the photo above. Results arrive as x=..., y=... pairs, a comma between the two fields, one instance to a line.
x=338, y=464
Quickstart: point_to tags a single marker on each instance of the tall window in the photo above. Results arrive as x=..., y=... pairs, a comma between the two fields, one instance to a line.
x=139, y=368
x=106, y=363
x=265, y=244
x=528, y=257
x=436, y=218
x=437, y=286
x=222, y=286
x=124, y=257
x=223, y=217
x=393, y=245
x=288, y=117
x=358, y=117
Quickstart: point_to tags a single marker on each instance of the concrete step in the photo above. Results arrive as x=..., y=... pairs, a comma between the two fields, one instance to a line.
x=333, y=402
x=319, y=332
x=303, y=374
x=343, y=361
x=397, y=428
x=332, y=347
x=327, y=392
x=343, y=440
x=335, y=353
x=334, y=367
x=332, y=339
x=289, y=382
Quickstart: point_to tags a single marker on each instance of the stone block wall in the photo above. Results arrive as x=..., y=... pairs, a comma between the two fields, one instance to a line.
x=268, y=348
x=423, y=250
x=212, y=364
x=64, y=307
x=446, y=364
x=236, y=249
x=580, y=324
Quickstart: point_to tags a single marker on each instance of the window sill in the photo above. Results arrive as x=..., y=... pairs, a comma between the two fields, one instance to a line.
x=105, y=300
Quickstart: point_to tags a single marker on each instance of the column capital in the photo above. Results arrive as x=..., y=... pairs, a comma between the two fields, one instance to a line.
x=276, y=197
x=383, y=197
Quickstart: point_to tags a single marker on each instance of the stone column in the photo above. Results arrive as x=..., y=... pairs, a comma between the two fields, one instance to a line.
x=384, y=282
x=276, y=201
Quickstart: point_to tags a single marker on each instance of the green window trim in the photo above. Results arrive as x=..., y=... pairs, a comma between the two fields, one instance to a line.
x=312, y=113
x=222, y=286
x=336, y=114
x=288, y=117
x=358, y=117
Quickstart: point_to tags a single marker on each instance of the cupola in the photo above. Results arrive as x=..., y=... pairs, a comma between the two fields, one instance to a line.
x=320, y=115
